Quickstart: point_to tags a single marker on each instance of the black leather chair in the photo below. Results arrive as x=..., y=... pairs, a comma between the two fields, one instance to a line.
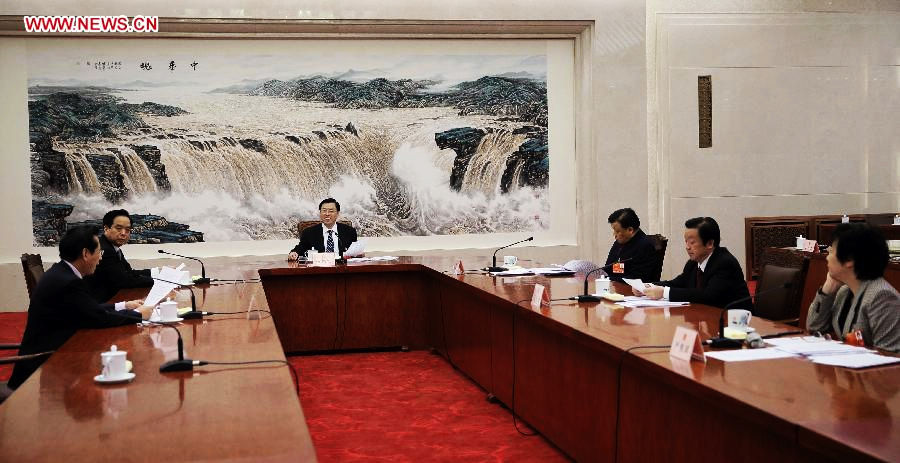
x=33, y=269
x=784, y=305
x=659, y=242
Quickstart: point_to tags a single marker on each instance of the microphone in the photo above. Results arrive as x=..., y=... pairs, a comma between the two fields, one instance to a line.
x=722, y=341
x=589, y=297
x=179, y=364
x=202, y=279
x=194, y=313
x=493, y=267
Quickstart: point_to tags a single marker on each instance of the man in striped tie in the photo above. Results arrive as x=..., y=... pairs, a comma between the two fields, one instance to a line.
x=330, y=236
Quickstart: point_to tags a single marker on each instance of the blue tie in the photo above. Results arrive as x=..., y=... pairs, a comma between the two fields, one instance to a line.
x=329, y=246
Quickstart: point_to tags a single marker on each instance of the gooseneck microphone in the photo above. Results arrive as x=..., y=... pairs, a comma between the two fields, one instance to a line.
x=194, y=313
x=493, y=267
x=587, y=297
x=181, y=363
x=722, y=341
x=202, y=279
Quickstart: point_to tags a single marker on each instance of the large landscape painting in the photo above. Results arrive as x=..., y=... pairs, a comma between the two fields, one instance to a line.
x=241, y=145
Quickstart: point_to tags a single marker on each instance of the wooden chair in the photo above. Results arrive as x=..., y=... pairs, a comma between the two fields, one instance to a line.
x=784, y=305
x=660, y=243
x=5, y=391
x=33, y=269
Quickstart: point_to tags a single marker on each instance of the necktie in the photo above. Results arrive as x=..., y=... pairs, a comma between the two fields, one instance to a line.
x=119, y=253
x=329, y=246
x=699, y=278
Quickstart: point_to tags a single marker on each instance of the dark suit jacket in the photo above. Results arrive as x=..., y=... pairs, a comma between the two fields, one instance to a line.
x=60, y=306
x=642, y=254
x=312, y=238
x=723, y=282
x=114, y=273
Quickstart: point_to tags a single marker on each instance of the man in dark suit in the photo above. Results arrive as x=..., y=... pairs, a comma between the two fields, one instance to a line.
x=330, y=236
x=712, y=276
x=633, y=254
x=61, y=303
x=114, y=272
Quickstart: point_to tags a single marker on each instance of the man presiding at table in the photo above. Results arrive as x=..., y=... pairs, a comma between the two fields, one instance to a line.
x=61, y=303
x=855, y=297
x=711, y=276
x=330, y=236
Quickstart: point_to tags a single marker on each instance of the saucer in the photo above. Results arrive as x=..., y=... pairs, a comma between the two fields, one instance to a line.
x=157, y=320
x=120, y=379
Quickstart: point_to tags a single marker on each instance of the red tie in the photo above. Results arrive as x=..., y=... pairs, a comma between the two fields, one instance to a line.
x=699, y=278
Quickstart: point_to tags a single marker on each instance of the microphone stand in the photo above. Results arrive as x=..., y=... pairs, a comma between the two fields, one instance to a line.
x=493, y=267
x=179, y=364
x=724, y=342
x=202, y=279
x=586, y=297
x=194, y=313
x=589, y=297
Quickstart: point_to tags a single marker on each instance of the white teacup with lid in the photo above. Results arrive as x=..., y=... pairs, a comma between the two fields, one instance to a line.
x=114, y=364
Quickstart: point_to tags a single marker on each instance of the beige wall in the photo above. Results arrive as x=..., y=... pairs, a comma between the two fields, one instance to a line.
x=805, y=99
x=803, y=94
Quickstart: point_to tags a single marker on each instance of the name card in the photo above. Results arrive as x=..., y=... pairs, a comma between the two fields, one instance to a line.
x=686, y=345
x=810, y=246
x=540, y=296
x=323, y=259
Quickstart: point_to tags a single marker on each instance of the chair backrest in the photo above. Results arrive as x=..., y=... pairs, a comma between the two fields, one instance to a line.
x=781, y=305
x=659, y=242
x=33, y=269
x=304, y=224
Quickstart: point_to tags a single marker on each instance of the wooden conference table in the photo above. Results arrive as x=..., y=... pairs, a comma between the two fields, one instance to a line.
x=568, y=367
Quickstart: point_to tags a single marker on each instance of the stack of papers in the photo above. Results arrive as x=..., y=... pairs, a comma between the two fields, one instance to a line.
x=522, y=271
x=372, y=259
x=817, y=350
x=514, y=272
x=743, y=355
x=854, y=360
x=174, y=277
x=811, y=345
x=644, y=301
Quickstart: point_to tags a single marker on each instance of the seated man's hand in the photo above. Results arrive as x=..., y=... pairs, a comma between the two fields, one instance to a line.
x=133, y=305
x=145, y=310
x=293, y=256
x=654, y=292
x=636, y=292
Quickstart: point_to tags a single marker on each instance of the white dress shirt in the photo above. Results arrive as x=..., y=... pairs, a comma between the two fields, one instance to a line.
x=702, y=266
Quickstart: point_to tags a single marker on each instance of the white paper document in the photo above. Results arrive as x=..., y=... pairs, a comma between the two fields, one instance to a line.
x=357, y=248
x=743, y=355
x=644, y=301
x=854, y=360
x=636, y=284
x=161, y=289
x=372, y=259
x=514, y=272
x=811, y=346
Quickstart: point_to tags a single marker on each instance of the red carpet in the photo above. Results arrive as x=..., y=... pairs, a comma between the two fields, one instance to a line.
x=406, y=406
x=12, y=326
